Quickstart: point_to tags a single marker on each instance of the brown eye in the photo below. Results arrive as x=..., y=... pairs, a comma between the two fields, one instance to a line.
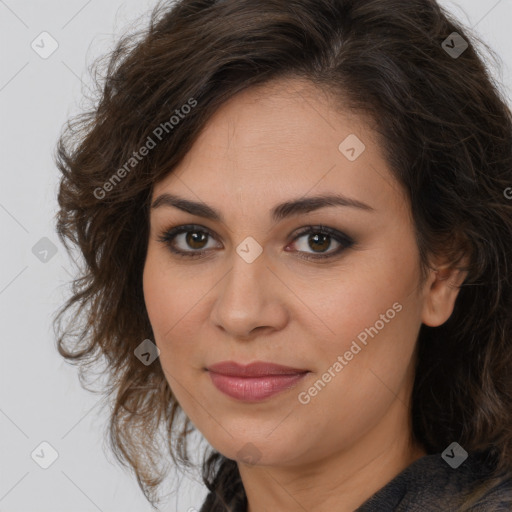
x=190, y=240
x=195, y=239
x=319, y=240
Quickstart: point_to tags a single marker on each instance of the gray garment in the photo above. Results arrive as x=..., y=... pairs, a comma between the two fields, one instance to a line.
x=429, y=484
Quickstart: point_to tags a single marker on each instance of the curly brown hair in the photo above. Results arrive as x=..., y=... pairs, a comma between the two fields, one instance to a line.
x=446, y=131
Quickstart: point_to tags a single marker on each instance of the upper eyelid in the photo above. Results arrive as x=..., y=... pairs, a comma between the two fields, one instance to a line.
x=184, y=228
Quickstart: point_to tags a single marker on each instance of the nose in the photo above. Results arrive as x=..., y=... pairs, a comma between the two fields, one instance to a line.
x=250, y=299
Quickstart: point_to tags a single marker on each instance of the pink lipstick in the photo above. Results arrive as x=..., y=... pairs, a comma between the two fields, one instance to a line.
x=254, y=382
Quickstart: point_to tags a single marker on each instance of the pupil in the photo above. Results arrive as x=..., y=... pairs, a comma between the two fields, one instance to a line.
x=193, y=237
x=316, y=237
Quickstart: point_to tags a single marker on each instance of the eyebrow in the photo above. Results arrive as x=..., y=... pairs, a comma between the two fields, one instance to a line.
x=278, y=213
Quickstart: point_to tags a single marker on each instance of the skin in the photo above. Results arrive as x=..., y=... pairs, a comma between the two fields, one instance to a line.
x=267, y=145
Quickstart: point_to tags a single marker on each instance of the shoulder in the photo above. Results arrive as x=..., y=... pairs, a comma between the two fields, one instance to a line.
x=496, y=496
x=430, y=483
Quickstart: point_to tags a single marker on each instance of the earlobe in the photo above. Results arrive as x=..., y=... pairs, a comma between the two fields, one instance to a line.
x=441, y=291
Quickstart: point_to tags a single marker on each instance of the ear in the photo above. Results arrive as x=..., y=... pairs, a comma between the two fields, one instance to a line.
x=440, y=291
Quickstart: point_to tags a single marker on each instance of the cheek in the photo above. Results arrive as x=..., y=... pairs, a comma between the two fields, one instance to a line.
x=356, y=299
x=174, y=302
x=372, y=314
x=370, y=330
x=165, y=296
x=168, y=292
x=157, y=293
x=376, y=354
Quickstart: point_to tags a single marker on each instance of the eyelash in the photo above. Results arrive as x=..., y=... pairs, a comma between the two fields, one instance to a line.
x=169, y=235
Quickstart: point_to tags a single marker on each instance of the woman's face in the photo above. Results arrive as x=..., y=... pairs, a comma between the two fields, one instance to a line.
x=350, y=320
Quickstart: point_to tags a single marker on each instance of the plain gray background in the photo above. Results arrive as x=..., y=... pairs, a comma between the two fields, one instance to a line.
x=40, y=397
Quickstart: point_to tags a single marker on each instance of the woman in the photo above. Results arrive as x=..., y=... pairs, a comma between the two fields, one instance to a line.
x=296, y=229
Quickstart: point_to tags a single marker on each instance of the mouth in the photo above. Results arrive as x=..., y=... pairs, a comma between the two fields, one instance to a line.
x=254, y=382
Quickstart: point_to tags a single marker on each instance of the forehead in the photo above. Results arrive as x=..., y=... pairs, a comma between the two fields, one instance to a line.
x=281, y=140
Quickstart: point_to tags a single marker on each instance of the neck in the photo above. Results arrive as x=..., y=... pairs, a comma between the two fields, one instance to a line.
x=341, y=480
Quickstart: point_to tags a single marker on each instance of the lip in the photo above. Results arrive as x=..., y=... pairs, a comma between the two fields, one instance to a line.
x=256, y=369
x=254, y=382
